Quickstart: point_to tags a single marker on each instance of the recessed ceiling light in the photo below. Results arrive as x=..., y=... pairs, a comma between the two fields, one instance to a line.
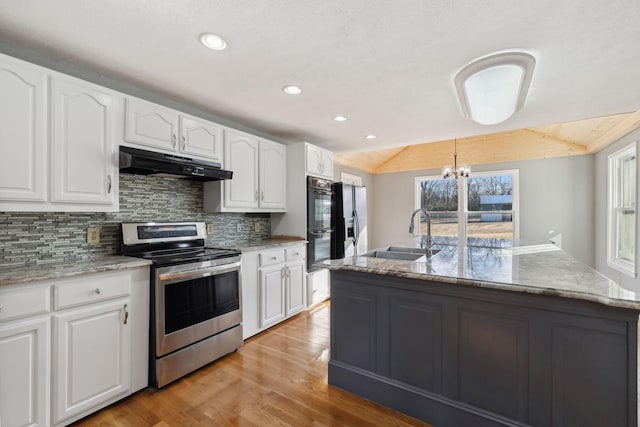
x=213, y=41
x=340, y=118
x=292, y=90
x=371, y=136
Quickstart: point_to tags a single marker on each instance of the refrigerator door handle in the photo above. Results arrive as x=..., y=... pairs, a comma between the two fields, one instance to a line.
x=356, y=233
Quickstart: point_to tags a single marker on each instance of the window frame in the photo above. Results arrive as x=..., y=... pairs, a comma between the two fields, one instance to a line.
x=613, y=188
x=463, y=209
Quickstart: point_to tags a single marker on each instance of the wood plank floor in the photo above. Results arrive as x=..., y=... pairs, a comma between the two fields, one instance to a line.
x=279, y=378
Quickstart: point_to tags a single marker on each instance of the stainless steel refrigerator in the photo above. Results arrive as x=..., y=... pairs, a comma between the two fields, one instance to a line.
x=349, y=220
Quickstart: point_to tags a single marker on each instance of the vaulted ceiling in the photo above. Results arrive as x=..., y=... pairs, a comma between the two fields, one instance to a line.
x=563, y=139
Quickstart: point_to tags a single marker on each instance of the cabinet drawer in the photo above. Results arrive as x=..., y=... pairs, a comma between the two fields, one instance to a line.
x=20, y=302
x=90, y=289
x=271, y=257
x=294, y=254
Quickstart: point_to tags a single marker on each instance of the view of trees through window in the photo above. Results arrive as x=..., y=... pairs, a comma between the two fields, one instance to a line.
x=488, y=211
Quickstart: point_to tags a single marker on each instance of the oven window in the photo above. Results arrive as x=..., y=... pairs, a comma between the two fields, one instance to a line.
x=194, y=301
x=320, y=210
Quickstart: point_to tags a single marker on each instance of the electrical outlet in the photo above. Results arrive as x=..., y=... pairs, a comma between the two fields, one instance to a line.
x=209, y=228
x=93, y=235
x=238, y=228
x=256, y=227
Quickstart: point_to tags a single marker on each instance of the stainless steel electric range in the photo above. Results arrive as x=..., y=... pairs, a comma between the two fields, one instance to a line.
x=196, y=311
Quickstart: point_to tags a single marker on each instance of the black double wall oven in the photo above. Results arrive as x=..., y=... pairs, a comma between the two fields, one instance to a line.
x=319, y=230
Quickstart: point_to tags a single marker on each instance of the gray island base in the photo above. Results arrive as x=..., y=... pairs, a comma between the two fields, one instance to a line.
x=452, y=350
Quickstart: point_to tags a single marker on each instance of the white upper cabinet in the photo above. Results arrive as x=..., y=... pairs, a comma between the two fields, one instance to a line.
x=273, y=175
x=155, y=126
x=259, y=176
x=23, y=138
x=201, y=138
x=151, y=125
x=319, y=162
x=57, y=142
x=241, y=156
x=83, y=166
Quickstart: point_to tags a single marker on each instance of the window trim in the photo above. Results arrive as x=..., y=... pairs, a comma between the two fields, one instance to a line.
x=463, y=198
x=626, y=267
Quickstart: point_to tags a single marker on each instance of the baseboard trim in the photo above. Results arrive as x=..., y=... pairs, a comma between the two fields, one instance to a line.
x=429, y=407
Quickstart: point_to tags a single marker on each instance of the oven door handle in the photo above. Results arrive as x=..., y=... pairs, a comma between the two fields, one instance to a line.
x=203, y=272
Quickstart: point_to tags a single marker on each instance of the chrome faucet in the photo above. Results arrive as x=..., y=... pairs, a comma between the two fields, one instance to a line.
x=411, y=227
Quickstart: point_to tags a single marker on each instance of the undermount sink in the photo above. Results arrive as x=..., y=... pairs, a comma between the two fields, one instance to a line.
x=406, y=249
x=395, y=255
x=404, y=253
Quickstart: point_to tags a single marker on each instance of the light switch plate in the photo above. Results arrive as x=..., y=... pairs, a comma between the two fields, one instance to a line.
x=93, y=235
x=209, y=228
x=238, y=228
x=256, y=227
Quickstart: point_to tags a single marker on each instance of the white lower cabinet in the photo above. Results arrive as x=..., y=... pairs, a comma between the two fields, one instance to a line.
x=71, y=346
x=92, y=357
x=273, y=287
x=24, y=372
x=272, y=295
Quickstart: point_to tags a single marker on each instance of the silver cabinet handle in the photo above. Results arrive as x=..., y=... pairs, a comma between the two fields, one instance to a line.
x=273, y=258
x=255, y=196
x=109, y=184
x=126, y=313
x=262, y=195
x=184, y=142
x=97, y=291
x=282, y=273
x=173, y=140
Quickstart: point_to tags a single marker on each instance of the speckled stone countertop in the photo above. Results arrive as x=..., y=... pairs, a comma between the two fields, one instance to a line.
x=264, y=244
x=33, y=273
x=501, y=264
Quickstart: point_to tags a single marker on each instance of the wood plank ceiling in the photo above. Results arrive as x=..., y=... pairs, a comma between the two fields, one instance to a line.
x=559, y=140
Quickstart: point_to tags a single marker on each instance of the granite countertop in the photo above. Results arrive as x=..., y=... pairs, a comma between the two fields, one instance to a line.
x=33, y=273
x=265, y=244
x=501, y=264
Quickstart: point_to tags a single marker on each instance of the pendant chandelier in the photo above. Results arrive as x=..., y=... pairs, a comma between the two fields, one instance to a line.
x=455, y=171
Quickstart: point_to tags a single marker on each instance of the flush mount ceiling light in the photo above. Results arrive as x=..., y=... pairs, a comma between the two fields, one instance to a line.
x=340, y=118
x=292, y=90
x=371, y=136
x=492, y=88
x=213, y=41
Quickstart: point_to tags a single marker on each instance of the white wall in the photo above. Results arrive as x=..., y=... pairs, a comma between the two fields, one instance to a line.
x=601, y=214
x=555, y=194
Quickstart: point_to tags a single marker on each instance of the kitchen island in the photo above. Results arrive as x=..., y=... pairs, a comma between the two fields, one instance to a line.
x=488, y=333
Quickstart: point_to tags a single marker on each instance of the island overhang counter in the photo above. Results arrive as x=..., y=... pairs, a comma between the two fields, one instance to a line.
x=489, y=333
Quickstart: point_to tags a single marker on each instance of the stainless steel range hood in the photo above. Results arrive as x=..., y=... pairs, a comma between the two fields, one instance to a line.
x=144, y=162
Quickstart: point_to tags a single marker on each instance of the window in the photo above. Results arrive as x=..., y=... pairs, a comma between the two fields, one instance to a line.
x=482, y=206
x=621, y=215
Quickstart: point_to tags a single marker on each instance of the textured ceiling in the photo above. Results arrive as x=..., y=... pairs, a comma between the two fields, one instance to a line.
x=388, y=66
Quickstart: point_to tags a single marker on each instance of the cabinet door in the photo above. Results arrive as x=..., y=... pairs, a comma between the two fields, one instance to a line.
x=200, y=138
x=23, y=138
x=92, y=352
x=314, y=160
x=327, y=164
x=272, y=295
x=83, y=160
x=24, y=373
x=273, y=175
x=296, y=289
x=150, y=124
x=241, y=156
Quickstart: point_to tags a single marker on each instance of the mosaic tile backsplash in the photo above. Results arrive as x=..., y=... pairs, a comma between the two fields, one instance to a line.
x=49, y=237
